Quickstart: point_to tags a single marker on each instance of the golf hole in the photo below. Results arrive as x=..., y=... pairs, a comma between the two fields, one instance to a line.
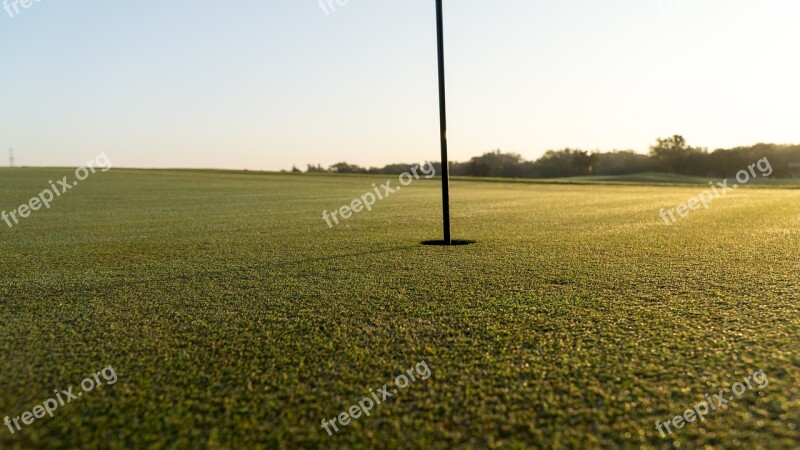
x=454, y=243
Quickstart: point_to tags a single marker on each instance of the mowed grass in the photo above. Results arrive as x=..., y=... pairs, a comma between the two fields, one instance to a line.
x=235, y=318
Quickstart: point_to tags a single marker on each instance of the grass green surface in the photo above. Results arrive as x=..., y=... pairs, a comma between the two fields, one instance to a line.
x=235, y=318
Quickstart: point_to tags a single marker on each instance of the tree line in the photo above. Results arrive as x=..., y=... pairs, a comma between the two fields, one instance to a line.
x=671, y=155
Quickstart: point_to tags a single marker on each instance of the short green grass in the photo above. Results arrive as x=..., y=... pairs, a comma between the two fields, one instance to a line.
x=235, y=318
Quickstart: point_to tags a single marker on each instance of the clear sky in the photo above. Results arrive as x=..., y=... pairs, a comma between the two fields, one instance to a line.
x=264, y=84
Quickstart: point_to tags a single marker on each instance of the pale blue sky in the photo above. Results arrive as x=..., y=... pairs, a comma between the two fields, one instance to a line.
x=265, y=84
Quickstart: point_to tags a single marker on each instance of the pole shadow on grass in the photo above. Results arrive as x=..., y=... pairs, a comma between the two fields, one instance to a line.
x=453, y=243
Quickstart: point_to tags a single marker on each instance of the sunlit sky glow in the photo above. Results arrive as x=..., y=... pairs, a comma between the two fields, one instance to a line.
x=266, y=84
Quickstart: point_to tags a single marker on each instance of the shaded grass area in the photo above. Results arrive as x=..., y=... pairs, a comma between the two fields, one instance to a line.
x=236, y=319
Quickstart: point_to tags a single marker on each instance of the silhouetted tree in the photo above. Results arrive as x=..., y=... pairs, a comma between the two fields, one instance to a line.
x=392, y=169
x=315, y=169
x=492, y=164
x=564, y=163
x=622, y=163
x=343, y=167
x=583, y=162
x=673, y=154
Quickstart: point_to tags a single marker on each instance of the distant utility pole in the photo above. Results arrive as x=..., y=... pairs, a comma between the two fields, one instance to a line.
x=443, y=127
x=11, y=157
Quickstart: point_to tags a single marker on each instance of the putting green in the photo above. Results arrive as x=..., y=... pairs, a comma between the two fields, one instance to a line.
x=235, y=318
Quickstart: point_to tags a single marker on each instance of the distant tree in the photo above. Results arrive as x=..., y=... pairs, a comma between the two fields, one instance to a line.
x=315, y=169
x=295, y=169
x=622, y=163
x=673, y=154
x=696, y=163
x=583, y=163
x=492, y=164
x=564, y=163
x=392, y=169
x=344, y=167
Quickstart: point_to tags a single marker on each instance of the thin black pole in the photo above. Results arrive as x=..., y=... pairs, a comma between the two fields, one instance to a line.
x=443, y=127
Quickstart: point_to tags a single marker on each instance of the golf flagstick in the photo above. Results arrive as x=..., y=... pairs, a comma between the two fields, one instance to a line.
x=443, y=127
